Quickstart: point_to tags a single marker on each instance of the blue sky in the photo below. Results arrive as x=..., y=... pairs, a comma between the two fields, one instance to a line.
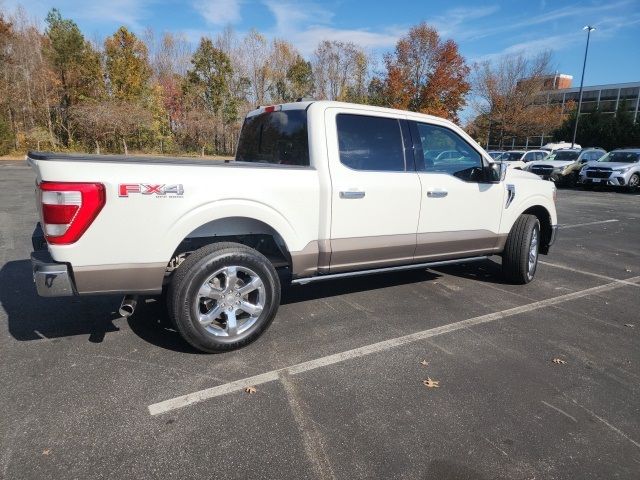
x=483, y=30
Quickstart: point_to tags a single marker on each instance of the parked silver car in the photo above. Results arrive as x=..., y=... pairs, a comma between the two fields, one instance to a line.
x=618, y=168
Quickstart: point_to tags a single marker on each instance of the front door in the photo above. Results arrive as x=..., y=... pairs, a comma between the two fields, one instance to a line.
x=461, y=211
x=375, y=190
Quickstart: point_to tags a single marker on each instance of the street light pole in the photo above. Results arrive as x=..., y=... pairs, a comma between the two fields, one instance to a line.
x=589, y=29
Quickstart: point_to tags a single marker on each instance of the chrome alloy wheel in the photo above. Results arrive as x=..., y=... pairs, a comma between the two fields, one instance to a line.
x=533, y=253
x=230, y=301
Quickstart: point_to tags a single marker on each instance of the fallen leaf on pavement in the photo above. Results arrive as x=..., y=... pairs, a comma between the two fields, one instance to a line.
x=559, y=361
x=250, y=390
x=46, y=452
x=431, y=383
x=424, y=362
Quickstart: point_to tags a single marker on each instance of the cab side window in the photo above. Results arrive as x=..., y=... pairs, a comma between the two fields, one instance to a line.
x=370, y=143
x=444, y=151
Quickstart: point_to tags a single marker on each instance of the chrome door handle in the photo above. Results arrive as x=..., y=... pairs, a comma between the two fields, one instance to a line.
x=437, y=193
x=352, y=194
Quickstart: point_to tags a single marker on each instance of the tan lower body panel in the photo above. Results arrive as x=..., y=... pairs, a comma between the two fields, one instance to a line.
x=359, y=253
x=371, y=252
x=465, y=243
x=124, y=278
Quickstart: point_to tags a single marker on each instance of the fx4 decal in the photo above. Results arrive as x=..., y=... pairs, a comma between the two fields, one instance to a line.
x=124, y=189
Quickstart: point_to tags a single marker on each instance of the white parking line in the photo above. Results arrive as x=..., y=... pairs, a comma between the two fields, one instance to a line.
x=582, y=272
x=613, y=220
x=199, y=396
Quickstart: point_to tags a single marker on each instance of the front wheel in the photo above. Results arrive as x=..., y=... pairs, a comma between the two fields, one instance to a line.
x=520, y=256
x=223, y=296
x=634, y=183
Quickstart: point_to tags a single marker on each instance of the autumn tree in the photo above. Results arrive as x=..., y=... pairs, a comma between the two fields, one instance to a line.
x=508, y=99
x=127, y=65
x=337, y=68
x=207, y=88
x=111, y=120
x=255, y=50
x=7, y=133
x=299, y=78
x=76, y=64
x=425, y=74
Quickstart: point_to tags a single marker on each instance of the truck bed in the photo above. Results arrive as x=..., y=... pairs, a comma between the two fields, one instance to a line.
x=148, y=159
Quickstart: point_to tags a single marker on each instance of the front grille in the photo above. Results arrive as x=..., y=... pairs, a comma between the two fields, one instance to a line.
x=541, y=169
x=598, y=173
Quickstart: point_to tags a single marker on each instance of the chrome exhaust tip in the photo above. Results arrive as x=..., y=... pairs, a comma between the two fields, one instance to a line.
x=128, y=305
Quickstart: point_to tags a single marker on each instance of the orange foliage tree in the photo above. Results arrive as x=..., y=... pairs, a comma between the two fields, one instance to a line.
x=425, y=74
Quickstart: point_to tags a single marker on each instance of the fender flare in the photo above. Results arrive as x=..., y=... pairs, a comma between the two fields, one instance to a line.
x=231, y=208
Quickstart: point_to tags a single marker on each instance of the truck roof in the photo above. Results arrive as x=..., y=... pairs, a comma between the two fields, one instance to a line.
x=302, y=105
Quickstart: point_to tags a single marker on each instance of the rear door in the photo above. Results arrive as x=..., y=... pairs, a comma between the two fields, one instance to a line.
x=460, y=211
x=375, y=189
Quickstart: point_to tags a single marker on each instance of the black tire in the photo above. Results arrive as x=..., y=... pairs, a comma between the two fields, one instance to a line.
x=515, y=258
x=183, y=295
x=634, y=183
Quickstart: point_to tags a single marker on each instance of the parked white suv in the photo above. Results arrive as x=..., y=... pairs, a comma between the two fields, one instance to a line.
x=518, y=159
x=319, y=190
x=618, y=168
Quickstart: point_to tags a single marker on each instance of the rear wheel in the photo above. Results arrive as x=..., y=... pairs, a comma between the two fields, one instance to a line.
x=520, y=256
x=223, y=296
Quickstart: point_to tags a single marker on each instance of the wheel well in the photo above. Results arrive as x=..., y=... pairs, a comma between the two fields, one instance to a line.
x=545, y=225
x=247, y=231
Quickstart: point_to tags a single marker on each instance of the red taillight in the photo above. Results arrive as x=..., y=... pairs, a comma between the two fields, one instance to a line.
x=272, y=108
x=68, y=209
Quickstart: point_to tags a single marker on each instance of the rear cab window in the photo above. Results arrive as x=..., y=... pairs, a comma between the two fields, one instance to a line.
x=278, y=138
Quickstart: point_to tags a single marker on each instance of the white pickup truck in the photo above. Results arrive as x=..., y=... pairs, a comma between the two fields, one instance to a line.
x=318, y=190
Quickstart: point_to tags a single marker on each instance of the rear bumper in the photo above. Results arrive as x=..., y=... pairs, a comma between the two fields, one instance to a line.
x=52, y=279
x=58, y=279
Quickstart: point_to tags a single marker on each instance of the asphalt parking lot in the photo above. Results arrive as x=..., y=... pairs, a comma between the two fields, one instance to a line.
x=338, y=376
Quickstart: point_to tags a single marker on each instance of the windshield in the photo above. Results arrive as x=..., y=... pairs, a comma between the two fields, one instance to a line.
x=275, y=137
x=563, y=155
x=622, y=157
x=511, y=156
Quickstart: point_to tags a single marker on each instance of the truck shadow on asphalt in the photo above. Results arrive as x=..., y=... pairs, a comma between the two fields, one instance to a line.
x=489, y=271
x=151, y=323
x=31, y=317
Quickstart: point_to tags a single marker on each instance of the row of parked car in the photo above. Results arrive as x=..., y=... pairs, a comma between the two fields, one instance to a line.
x=587, y=167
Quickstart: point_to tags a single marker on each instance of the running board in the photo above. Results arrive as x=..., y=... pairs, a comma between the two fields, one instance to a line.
x=333, y=276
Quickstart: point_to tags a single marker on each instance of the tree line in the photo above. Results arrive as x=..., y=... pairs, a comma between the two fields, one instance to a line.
x=159, y=94
x=155, y=93
x=598, y=129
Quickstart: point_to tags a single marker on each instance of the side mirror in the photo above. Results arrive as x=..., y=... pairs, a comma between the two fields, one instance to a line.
x=497, y=172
